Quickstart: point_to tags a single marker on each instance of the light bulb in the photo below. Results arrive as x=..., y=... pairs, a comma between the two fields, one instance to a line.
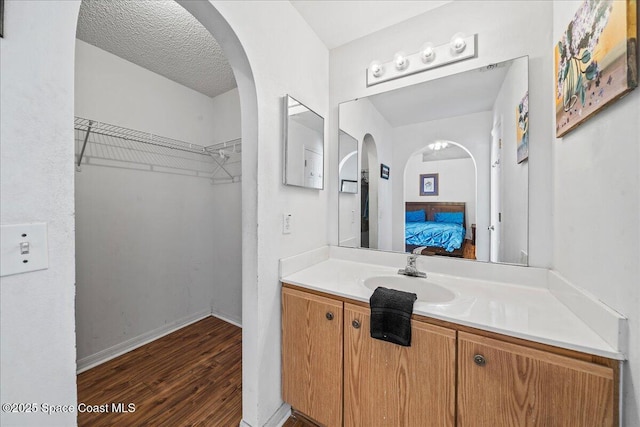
x=428, y=53
x=457, y=43
x=376, y=68
x=401, y=61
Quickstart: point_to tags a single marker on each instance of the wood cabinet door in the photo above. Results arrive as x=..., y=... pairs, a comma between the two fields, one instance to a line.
x=504, y=384
x=312, y=355
x=390, y=385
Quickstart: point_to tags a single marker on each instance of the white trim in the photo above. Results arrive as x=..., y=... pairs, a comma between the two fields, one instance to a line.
x=107, y=354
x=235, y=322
x=277, y=419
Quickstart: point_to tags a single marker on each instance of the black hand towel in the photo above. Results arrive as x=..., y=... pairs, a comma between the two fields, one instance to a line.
x=391, y=315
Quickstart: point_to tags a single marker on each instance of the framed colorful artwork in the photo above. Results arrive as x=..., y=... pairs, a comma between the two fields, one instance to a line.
x=595, y=60
x=522, y=128
x=429, y=184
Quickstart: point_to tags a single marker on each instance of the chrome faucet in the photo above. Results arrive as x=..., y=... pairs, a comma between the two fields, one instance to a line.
x=411, y=269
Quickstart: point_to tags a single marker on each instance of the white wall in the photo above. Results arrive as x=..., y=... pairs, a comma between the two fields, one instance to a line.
x=515, y=176
x=471, y=131
x=37, y=66
x=456, y=183
x=271, y=34
x=349, y=228
x=596, y=198
x=149, y=250
x=38, y=354
x=300, y=138
x=359, y=119
x=505, y=30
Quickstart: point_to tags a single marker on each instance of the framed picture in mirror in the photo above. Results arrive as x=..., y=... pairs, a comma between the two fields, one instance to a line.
x=384, y=171
x=429, y=184
x=522, y=129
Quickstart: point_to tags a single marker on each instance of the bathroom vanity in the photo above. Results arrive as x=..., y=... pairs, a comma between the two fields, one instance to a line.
x=468, y=365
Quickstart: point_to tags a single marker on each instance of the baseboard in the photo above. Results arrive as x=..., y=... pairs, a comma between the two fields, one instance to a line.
x=280, y=416
x=233, y=321
x=107, y=354
x=277, y=419
x=350, y=242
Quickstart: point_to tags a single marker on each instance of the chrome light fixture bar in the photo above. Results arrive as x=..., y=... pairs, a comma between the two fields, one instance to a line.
x=458, y=49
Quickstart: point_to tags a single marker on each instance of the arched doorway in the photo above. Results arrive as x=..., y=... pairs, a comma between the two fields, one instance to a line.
x=219, y=28
x=450, y=171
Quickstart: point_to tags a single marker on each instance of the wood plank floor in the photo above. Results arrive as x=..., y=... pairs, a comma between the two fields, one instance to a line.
x=191, y=377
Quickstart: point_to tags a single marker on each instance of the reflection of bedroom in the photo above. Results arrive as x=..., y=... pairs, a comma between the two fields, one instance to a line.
x=476, y=173
x=456, y=175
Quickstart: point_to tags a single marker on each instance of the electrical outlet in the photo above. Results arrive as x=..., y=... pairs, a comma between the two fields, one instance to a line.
x=287, y=223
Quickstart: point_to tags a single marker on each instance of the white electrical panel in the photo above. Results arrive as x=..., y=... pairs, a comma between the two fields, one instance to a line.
x=24, y=248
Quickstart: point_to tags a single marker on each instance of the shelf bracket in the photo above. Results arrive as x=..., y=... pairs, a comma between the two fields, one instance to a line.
x=220, y=165
x=84, y=145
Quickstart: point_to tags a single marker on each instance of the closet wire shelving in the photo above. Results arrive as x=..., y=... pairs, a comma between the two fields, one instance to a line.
x=102, y=144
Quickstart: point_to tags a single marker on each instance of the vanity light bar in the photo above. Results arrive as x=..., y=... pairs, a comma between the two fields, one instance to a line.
x=460, y=48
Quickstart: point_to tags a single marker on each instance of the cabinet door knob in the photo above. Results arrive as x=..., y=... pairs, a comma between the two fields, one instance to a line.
x=356, y=324
x=479, y=359
x=329, y=315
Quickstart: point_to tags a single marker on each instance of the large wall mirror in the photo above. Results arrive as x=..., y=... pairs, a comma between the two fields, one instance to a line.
x=459, y=167
x=303, y=145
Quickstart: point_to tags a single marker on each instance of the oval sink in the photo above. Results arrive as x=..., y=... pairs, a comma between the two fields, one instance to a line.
x=425, y=290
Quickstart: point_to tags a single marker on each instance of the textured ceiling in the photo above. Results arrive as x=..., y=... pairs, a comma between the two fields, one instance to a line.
x=339, y=22
x=160, y=36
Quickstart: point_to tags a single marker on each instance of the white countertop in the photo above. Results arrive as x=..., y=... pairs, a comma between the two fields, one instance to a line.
x=529, y=312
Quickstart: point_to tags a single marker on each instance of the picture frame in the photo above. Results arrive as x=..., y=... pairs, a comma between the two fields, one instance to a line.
x=595, y=61
x=429, y=184
x=522, y=129
x=348, y=186
x=384, y=171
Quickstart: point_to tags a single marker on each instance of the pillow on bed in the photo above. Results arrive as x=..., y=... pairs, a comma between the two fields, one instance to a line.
x=415, y=216
x=452, y=217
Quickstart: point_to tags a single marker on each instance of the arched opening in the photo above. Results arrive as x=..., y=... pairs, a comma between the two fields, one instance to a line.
x=369, y=193
x=214, y=22
x=440, y=200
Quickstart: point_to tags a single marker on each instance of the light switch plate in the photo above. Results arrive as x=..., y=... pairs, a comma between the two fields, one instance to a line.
x=15, y=239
